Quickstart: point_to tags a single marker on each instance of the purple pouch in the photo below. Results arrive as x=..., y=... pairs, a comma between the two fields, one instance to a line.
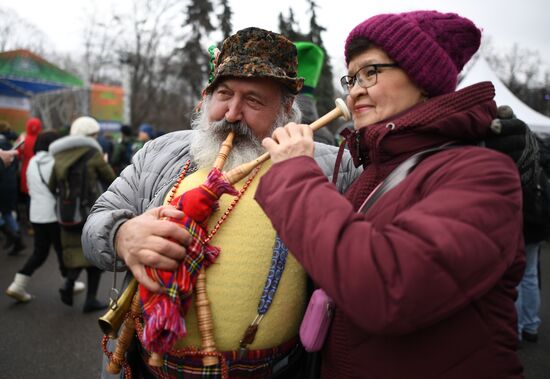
x=316, y=321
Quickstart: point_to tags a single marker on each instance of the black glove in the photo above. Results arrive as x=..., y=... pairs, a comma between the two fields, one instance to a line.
x=509, y=135
x=513, y=137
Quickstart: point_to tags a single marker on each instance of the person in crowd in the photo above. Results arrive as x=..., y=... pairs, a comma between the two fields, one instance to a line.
x=26, y=152
x=122, y=151
x=252, y=92
x=528, y=301
x=536, y=229
x=8, y=195
x=105, y=140
x=42, y=217
x=66, y=151
x=146, y=133
x=310, y=64
x=424, y=282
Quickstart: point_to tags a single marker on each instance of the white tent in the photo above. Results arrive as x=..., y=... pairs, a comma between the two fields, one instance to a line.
x=481, y=72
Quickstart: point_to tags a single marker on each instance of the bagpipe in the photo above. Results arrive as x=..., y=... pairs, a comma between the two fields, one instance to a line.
x=163, y=313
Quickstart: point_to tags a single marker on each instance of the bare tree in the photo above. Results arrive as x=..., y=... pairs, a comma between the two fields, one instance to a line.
x=521, y=71
x=17, y=33
x=100, y=59
x=225, y=19
x=140, y=44
x=149, y=54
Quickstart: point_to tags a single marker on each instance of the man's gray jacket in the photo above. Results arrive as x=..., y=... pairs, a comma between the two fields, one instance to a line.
x=144, y=184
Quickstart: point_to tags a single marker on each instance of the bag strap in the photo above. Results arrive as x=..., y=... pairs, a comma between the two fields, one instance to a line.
x=40, y=173
x=400, y=173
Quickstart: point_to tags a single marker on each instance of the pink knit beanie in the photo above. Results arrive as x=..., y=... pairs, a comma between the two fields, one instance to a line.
x=431, y=47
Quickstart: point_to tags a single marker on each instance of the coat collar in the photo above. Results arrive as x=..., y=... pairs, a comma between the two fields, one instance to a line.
x=72, y=142
x=462, y=115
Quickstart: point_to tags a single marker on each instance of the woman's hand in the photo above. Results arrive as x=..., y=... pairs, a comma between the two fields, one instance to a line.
x=292, y=140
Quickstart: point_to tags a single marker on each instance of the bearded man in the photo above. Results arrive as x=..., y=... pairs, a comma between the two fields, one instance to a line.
x=252, y=92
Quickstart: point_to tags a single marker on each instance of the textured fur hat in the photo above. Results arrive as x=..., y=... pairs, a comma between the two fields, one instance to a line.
x=258, y=53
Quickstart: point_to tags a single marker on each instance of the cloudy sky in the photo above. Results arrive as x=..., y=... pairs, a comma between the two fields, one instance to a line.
x=526, y=22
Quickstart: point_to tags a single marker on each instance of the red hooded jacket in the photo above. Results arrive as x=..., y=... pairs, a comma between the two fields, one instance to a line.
x=424, y=283
x=26, y=152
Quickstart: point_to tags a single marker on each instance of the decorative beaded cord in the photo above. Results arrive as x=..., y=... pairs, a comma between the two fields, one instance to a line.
x=223, y=218
x=231, y=206
x=278, y=262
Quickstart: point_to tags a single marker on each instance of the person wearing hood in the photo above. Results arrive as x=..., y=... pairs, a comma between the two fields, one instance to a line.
x=424, y=281
x=43, y=219
x=66, y=151
x=26, y=151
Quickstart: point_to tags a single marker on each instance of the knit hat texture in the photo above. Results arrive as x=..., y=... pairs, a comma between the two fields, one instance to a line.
x=257, y=53
x=431, y=47
x=84, y=126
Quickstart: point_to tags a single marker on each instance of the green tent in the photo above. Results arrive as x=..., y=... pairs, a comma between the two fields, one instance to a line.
x=23, y=74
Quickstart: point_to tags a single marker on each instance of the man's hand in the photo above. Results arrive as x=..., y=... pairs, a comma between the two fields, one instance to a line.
x=148, y=240
x=8, y=156
x=293, y=140
x=512, y=137
x=509, y=134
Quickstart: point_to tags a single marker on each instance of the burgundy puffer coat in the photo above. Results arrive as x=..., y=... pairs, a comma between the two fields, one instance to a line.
x=424, y=282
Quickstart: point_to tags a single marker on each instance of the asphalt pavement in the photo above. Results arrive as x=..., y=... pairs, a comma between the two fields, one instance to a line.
x=47, y=339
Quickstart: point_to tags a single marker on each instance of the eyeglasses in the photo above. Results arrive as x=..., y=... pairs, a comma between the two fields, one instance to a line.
x=366, y=76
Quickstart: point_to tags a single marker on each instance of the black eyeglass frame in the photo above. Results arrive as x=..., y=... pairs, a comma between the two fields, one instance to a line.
x=348, y=81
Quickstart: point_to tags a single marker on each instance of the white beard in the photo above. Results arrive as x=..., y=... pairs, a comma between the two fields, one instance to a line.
x=209, y=136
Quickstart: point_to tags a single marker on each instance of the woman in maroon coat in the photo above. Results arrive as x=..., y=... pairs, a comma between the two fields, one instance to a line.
x=424, y=283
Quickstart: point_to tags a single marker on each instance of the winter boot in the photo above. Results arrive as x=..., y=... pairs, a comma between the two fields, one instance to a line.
x=18, y=288
x=66, y=292
x=17, y=244
x=92, y=304
x=79, y=287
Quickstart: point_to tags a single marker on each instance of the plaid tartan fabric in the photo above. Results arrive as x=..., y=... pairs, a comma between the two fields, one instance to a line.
x=163, y=311
x=198, y=254
x=258, y=364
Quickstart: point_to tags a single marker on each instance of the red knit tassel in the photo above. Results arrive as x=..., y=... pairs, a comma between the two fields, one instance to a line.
x=216, y=182
x=164, y=326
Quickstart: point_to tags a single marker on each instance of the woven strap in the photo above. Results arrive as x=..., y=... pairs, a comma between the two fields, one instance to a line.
x=400, y=173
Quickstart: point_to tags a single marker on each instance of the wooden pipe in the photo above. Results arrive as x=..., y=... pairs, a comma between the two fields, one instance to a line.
x=225, y=149
x=340, y=110
x=202, y=304
x=125, y=338
x=204, y=320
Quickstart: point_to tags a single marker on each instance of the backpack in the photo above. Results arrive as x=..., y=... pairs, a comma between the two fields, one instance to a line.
x=536, y=195
x=532, y=157
x=74, y=194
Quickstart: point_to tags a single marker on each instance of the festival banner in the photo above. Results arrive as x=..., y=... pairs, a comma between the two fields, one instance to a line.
x=107, y=103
